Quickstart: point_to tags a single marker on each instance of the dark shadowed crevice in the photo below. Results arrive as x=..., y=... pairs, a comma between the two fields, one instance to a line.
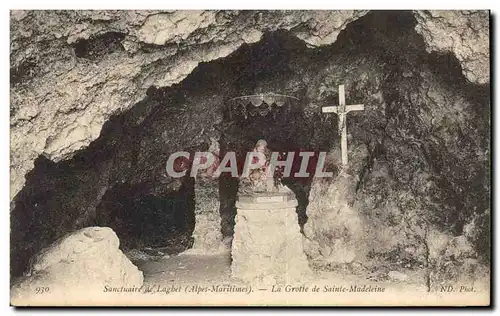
x=98, y=46
x=150, y=220
x=23, y=72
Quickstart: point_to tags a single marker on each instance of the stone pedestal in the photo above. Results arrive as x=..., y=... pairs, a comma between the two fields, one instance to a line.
x=267, y=241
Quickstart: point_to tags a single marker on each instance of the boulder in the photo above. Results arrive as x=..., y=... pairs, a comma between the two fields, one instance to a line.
x=335, y=230
x=83, y=262
x=397, y=276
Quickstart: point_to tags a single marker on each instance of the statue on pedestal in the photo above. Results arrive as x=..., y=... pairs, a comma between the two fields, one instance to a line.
x=264, y=207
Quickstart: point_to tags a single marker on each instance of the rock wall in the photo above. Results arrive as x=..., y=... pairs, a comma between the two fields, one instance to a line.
x=403, y=183
x=72, y=70
x=464, y=33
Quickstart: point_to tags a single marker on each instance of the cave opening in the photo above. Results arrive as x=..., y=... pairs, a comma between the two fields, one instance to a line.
x=162, y=220
x=119, y=180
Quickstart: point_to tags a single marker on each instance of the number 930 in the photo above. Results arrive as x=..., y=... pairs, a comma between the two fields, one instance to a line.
x=41, y=290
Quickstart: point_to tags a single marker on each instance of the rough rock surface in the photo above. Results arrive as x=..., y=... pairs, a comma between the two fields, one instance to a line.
x=397, y=276
x=463, y=33
x=259, y=253
x=72, y=70
x=452, y=259
x=400, y=177
x=335, y=231
x=82, y=262
x=207, y=230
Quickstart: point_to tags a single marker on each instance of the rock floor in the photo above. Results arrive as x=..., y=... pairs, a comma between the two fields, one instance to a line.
x=208, y=270
x=187, y=269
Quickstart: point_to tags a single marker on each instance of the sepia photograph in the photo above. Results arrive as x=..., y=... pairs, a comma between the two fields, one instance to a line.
x=250, y=158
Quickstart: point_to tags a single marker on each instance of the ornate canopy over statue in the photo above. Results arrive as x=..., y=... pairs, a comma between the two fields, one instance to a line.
x=261, y=104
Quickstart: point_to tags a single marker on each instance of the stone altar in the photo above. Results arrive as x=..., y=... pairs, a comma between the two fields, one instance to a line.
x=267, y=242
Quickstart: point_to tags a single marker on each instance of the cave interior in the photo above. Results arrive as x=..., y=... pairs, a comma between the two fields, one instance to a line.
x=119, y=180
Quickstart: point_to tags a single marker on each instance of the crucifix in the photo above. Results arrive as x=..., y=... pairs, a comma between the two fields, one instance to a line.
x=341, y=110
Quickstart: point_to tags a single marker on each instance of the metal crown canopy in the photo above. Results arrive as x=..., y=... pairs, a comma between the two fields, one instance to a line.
x=259, y=99
x=259, y=103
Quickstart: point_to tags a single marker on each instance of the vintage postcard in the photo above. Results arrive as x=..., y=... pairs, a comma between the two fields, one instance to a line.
x=249, y=158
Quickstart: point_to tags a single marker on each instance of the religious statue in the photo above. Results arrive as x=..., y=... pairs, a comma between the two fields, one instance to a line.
x=258, y=180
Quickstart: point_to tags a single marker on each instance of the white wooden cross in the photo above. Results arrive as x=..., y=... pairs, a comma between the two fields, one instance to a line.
x=341, y=110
